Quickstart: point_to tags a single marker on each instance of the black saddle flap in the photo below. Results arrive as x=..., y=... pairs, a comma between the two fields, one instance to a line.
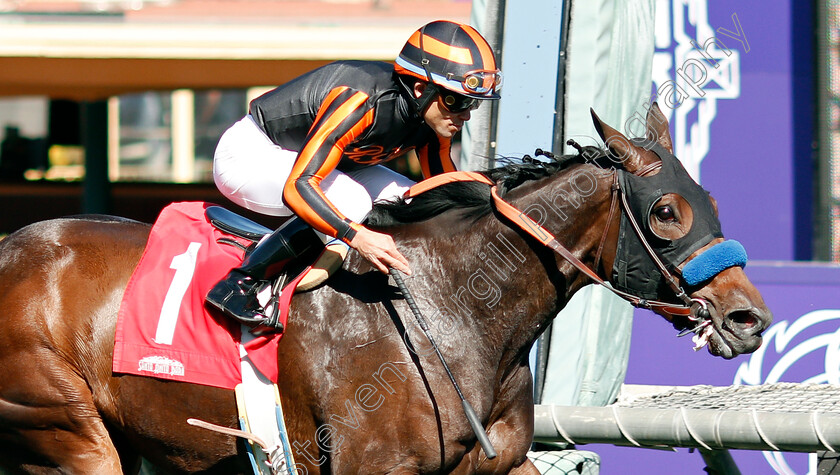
x=229, y=222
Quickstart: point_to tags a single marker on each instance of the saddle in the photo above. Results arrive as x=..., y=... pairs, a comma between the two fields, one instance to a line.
x=318, y=264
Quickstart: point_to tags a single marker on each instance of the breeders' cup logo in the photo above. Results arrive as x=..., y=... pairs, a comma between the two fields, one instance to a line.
x=694, y=66
x=790, y=353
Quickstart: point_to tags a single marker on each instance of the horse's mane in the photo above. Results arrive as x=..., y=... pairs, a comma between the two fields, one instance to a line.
x=473, y=198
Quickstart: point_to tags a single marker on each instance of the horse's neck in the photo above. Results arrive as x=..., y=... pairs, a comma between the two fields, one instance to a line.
x=510, y=282
x=574, y=207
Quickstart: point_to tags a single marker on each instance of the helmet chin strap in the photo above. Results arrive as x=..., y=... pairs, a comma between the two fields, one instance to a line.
x=426, y=97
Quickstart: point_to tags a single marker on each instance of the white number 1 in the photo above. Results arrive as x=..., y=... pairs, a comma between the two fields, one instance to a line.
x=184, y=265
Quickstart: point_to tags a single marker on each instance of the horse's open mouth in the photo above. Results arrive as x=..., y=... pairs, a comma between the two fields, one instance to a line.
x=719, y=346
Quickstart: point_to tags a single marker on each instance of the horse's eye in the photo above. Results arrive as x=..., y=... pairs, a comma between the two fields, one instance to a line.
x=665, y=214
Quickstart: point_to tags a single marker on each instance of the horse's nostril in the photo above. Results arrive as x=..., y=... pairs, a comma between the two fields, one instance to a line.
x=745, y=320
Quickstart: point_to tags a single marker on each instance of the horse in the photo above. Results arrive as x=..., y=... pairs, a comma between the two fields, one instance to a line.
x=361, y=388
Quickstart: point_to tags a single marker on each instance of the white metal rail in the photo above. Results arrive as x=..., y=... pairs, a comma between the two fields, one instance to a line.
x=782, y=417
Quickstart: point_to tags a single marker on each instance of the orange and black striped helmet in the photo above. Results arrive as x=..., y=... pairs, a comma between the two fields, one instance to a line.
x=453, y=56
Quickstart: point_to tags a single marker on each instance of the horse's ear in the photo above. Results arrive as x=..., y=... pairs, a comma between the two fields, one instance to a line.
x=657, y=128
x=630, y=155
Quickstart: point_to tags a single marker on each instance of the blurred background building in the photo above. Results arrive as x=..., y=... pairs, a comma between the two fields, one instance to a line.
x=144, y=89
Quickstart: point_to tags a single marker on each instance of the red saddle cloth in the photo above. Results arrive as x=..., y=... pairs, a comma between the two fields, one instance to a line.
x=164, y=329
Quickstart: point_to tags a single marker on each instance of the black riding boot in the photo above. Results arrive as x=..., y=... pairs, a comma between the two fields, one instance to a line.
x=236, y=294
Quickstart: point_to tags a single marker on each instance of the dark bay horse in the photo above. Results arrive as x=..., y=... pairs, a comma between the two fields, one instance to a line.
x=362, y=391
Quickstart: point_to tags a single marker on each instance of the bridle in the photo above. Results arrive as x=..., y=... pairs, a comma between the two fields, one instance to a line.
x=698, y=309
x=695, y=309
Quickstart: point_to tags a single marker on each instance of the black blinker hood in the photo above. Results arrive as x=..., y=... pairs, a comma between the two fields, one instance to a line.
x=634, y=271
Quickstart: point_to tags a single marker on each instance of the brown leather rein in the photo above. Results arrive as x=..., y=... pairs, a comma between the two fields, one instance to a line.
x=695, y=309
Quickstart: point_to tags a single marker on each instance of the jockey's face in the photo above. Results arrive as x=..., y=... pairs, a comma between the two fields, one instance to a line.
x=439, y=118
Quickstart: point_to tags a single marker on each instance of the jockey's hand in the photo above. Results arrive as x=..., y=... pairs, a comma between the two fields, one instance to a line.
x=380, y=250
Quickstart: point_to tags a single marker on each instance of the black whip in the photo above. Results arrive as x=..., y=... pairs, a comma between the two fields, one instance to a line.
x=477, y=428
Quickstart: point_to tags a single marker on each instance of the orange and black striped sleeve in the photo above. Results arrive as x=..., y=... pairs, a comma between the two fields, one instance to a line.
x=435, y=157
x=343, y=117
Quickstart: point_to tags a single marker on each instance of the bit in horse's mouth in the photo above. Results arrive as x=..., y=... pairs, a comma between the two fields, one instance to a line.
x=725, y=338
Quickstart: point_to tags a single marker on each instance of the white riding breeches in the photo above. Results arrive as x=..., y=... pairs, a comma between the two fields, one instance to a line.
x=251, y=171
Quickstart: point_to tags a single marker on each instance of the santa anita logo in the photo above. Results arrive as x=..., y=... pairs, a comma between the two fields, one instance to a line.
x=161, y=365
x=789, y=353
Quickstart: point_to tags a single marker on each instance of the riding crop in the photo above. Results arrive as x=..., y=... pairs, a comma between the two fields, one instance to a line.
x=476, y=425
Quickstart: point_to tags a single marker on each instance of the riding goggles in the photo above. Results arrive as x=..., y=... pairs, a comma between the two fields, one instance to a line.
x=457, y=103
x=481, y=81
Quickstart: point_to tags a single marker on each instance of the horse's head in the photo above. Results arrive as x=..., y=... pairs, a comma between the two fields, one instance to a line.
x=668, y=217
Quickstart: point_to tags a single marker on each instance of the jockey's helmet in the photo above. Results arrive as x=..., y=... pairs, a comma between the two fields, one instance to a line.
x=451, y=56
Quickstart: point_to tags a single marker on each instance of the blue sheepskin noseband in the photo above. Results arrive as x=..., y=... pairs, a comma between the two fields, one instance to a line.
x=713, y=261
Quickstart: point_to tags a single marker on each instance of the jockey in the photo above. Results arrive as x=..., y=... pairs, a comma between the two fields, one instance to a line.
x=312, y=148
